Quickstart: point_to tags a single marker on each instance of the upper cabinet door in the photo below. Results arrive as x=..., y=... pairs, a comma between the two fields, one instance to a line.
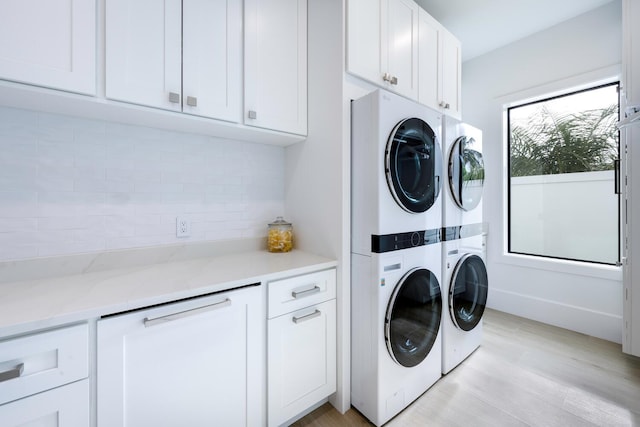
x=143, y=52
x=365, y=39
x=451, y=74
x=402, y=47
x=428, y=61
x=276, y=65
x=439, y=62
x=49, y=43
x=212, y=58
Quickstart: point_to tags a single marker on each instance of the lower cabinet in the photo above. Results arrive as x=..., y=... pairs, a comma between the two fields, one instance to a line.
x=193, y=363
x=43, y=379
x=301, y=344
x=66, y=406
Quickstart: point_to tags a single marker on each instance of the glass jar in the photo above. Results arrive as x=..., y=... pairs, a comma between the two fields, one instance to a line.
x=280, y=236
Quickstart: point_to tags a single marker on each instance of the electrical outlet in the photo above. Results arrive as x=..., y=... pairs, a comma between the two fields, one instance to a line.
x=183, y=227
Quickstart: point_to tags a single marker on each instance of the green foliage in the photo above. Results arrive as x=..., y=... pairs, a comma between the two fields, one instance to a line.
x=553, y=144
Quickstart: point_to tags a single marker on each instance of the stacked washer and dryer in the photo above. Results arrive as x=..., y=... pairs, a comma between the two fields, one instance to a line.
x=465, y=283
x=396, y=259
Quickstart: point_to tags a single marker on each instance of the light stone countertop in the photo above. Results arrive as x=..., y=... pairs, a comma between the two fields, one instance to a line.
x=43, y=293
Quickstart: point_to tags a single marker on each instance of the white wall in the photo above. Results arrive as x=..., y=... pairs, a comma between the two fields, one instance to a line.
x=580, y=297
x=71, y=185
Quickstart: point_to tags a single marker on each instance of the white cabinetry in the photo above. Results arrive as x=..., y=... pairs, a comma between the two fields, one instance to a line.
x=439, y=59
x=49, y=43
x=43, y=379
x=382, y=43
x=301, y=355
x=192, y=363
x=276, y=65
x=176, y=55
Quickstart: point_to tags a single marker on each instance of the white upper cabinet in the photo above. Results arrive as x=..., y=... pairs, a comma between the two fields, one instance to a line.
x=631, y=52
x=276, y=65
x=402, y=46
x=382, y=43
x=440, y=67
x=176, y=55
x=50, y=43
x=451, y=77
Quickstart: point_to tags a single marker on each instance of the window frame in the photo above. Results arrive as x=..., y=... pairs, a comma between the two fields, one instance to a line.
x=508, y=223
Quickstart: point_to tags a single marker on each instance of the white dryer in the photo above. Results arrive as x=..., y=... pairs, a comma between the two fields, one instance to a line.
x=465, y=288
x=396, y=170
x=462, y=152
x=396, y=314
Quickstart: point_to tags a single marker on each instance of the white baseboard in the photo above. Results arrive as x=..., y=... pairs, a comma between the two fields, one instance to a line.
x=589, y=322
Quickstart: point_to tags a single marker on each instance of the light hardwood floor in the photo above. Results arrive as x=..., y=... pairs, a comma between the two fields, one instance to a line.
x=524, y=374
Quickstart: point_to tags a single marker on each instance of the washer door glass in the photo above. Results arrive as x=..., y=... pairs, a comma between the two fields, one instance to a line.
x=468, y=292
x=413, y=165
x=413, y=317
x=466, y=172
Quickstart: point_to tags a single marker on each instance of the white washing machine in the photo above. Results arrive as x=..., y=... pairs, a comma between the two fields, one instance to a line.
x=397, y=171
x=464, y=271
x=464, y=164
x=464, y=290
x=396, y=314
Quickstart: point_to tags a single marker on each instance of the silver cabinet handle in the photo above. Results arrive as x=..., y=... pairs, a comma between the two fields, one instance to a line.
x=174, y=97
x=152, y=321
x=12, y=373
x=252, y=114
x=306, y=292
x=192, y=101
x=444, y=105
x=389, y=78
x=298, y=319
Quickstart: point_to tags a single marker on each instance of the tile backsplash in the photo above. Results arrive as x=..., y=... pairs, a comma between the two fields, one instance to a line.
x=71, y=185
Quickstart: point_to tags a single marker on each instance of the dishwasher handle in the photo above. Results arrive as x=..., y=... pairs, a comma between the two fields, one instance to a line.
x=152, y=321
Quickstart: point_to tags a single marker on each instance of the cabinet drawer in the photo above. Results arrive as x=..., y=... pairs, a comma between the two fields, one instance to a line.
x=66, y=406
x=39, y=362
x=294, y=293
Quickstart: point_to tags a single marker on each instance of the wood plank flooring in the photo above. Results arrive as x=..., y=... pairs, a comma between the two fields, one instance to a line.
x=525, y=374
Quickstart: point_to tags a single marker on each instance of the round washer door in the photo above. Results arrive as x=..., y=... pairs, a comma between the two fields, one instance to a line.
x=413, y=316
x=468, y=292
x=413, y=165
x=466, y=173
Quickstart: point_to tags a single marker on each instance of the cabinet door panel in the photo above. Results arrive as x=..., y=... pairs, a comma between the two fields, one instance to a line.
x=198, y=370
x=403, y=46
x=276, y=64
x=451, y=75
x=364, y=40
x=428, y=62
x=49, y=43
x=143, y=51
x=302, y=360
x=212, y=55
x=66, y=406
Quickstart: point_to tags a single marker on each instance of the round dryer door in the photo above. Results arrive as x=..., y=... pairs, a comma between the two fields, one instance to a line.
x=413, y=165
x=468, y=292
x=413, y=317
x=466, y=173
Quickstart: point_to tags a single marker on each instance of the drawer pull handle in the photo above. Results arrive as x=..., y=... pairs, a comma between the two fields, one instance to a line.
x=148, y=321
x=12, y=373
x=306, y=292
x=297, y=319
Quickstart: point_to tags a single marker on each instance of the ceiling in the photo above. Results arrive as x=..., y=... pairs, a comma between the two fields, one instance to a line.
x=485, y=25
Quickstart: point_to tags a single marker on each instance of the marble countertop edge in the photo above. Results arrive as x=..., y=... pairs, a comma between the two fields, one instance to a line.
x=41, y=303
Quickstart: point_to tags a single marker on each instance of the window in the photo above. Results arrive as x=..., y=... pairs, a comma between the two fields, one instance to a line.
x=563, y=154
